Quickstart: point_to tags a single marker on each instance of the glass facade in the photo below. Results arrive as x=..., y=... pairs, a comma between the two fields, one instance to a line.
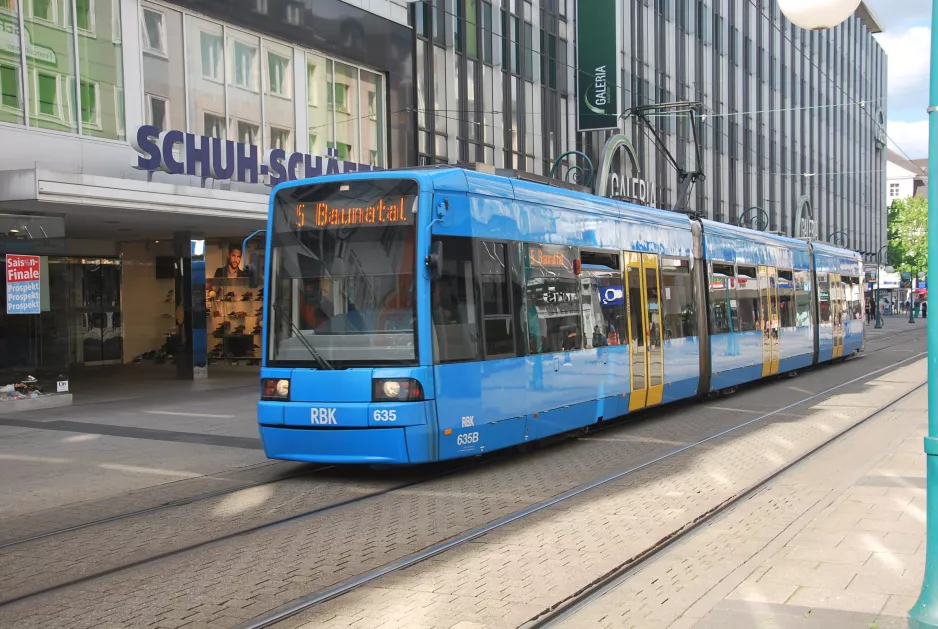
x=213, y=79
x=73, y=80
x=790, y=113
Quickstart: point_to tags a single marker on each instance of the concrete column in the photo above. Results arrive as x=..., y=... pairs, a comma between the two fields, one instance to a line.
x=192, y=358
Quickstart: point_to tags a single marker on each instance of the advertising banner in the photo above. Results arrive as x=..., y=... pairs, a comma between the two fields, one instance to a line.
x=597, y=80
x=23, y=284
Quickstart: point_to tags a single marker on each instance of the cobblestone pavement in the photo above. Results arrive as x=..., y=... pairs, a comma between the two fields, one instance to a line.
x=836, y=542
x=225, y=583
x=513, y=574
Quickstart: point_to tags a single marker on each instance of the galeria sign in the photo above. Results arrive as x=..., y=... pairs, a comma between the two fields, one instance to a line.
x=180, y=153
x=23, y=284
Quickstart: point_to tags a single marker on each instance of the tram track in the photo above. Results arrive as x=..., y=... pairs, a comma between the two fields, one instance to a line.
x=565, y=609
x=335, y=506
x=189, y=500
x=298, y=606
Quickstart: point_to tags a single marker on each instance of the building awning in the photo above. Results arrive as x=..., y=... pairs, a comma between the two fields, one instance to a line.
x=95, y=206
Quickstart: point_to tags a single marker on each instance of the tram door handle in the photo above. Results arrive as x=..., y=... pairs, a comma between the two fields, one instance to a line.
x=556, y=363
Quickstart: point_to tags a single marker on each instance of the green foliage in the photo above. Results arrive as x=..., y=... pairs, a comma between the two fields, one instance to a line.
x=907, y=231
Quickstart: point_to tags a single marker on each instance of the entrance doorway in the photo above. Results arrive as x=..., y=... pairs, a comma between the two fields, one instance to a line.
x=95, y=314
x=645, y=348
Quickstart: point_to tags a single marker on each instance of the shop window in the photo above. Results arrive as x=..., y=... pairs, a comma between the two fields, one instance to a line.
x=677, y=299
x=153, y=32
x=157, y=112
x=9, y=87
x=245, y=66
x=453, y=304
x=320, y=115
x=347, y=106
x=84, y=15
x=552, y=303
x=786, y=305
x=90, y=112
x=278, y=77
x=724, y=318
x=603, y=299
x=211, y=47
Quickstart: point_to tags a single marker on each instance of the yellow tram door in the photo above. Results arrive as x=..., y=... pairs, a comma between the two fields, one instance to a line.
x=643, y=289
x=837, y=314
x=768, y=305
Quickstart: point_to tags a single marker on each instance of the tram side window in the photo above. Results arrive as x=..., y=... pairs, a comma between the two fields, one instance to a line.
x=552, y=299
x=786, y=302
x=803, y=299
x=603, y=299
x=824, y=297
x=677, y=298
x=724, y=317
x=497, y=316
x=453, y=304
x=856, y=299
x=747, y=292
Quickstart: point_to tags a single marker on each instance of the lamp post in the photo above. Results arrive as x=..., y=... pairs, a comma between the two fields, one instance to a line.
x=759, y=222
x=820, y=14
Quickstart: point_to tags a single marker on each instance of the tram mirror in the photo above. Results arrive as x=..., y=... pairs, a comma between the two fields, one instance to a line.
x=253, y=268
x=435, y=260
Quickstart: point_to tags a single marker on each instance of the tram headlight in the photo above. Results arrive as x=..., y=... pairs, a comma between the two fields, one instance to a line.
x=275, y=389
x=396, y=390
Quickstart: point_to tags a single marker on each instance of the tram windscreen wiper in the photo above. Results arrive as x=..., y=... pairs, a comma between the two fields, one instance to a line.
x=323, y=363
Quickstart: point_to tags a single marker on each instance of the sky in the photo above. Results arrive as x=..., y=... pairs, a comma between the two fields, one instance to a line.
x=906, y=39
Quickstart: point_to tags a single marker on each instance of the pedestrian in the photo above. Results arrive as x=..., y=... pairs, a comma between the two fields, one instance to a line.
x=924, y=309
x=869, y=311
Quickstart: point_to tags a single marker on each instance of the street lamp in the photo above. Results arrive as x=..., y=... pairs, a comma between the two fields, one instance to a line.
x=817, y=15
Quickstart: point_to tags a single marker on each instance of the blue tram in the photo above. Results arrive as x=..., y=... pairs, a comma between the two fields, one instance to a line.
x=428, y=314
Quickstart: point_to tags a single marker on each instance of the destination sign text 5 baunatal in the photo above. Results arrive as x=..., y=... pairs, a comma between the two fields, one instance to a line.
x=324, y=215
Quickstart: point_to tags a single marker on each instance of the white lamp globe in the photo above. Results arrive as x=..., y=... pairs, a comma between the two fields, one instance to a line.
x=817, y=14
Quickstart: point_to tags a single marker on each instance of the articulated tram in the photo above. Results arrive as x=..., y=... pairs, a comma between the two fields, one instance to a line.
x=420, y=315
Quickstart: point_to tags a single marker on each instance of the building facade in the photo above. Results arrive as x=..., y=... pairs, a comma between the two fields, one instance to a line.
x=789, y=115
x=905, y=177
x=140, y=138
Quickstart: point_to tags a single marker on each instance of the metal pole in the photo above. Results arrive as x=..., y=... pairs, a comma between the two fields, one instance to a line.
x=912, y=300
x=879, y=272
x=925, y=611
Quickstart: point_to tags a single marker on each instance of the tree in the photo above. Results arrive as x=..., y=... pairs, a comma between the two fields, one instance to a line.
x=907, y=233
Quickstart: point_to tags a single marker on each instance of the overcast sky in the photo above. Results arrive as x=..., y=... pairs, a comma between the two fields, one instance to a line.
x=906, y=40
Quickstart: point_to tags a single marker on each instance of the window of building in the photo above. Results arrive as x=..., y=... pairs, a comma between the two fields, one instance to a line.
x=453, y=304
x=211, y=56
x=90, y=112
x=603, y=299
x=343, y=150
x=245, y=66
x=893, y=190
x=677, y=299
x=9, y=87
x=497, y=311
x=48, y=91
x=44, y=10
x=724, y=317
x=247, y=132
x=214, y=126
x=278, y=75
x=157, y=112
x=280, y=138
x=153, y=33
x=84, y=15
x=552, y=303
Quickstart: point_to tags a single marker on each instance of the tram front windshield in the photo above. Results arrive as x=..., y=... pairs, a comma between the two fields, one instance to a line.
x=342, y=272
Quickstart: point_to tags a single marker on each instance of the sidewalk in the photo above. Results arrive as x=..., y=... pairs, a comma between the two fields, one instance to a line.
x=851, y=558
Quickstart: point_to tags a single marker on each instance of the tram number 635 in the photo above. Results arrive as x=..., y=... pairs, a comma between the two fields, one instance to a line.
x=467, y=439
x=384, y=415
